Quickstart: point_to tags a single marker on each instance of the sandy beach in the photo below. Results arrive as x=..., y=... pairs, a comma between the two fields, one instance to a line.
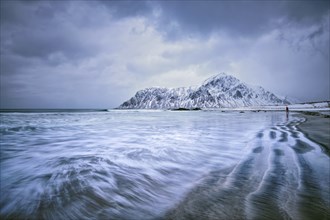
x=164, y=165
x=317, y=128
x=280, y=179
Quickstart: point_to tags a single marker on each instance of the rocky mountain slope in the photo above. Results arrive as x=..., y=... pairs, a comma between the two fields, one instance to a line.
x=218, y=91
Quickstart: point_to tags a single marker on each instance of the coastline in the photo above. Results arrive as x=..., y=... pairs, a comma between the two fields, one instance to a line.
x=209, y=171
x=317, y=128
x=238, y=193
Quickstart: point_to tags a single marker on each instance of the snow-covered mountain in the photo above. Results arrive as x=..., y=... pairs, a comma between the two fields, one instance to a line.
x=218, y=91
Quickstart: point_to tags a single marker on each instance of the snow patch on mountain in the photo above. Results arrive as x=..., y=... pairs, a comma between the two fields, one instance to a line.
x=219, y=91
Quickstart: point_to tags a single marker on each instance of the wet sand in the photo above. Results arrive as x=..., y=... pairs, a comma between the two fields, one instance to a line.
x=317, y=128
x=285, y=176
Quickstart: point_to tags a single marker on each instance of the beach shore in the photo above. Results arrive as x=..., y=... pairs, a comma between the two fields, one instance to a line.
x=317, y=128
x=256, y=187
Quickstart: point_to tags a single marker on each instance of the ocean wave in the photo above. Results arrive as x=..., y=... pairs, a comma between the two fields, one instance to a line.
x=160, y=165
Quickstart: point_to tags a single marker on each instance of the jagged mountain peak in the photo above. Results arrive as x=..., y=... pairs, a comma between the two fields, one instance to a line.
x=219, y=77
x=221, y=80
x=221, y=90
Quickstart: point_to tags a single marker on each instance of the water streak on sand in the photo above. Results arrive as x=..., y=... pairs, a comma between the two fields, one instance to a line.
x=160, y=165
x=286, y=176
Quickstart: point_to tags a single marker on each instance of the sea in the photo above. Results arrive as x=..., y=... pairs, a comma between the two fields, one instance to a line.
x=154, y=164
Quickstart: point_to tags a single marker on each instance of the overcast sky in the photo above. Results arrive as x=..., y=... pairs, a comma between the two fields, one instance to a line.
x=97, y=54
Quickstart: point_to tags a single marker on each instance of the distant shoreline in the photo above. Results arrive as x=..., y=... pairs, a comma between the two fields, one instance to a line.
x=312, y=106
x=41, y=110
x=317, y=108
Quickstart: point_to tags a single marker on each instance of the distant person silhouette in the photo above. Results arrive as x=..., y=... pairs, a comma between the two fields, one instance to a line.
x=287, y=112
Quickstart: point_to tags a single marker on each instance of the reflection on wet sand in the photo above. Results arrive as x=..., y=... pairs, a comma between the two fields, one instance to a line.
x=286, y=176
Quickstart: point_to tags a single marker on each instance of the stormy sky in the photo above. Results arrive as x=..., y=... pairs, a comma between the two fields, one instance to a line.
x=97, y=54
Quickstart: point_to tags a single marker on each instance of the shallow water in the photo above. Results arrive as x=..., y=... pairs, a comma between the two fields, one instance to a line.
x=160, y=165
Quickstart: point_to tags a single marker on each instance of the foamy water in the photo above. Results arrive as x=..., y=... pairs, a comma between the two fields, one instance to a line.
x=160, y=164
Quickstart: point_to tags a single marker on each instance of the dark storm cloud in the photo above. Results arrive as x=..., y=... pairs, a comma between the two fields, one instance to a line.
x=306, y=11
x=41, y=43
x=55, y=52
x=240, y=18
x=30, y=29
x=122, y=9
x=36, y=28
x=23, y=12
x=203, y=17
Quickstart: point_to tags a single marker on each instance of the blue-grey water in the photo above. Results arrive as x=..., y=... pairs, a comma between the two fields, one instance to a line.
x=160, y=165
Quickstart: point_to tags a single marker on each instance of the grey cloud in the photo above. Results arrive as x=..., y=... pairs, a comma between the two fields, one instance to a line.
x=238, y=18
x=185, y=18
x=97, y=53
x=13, y=12
x=306, y=12
x=312, y=38
x=204, y=17
x=22, y=13
x=41, y=43
x=12, y=64
x=319, y=31
x=44, y=30
x=121, y=9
